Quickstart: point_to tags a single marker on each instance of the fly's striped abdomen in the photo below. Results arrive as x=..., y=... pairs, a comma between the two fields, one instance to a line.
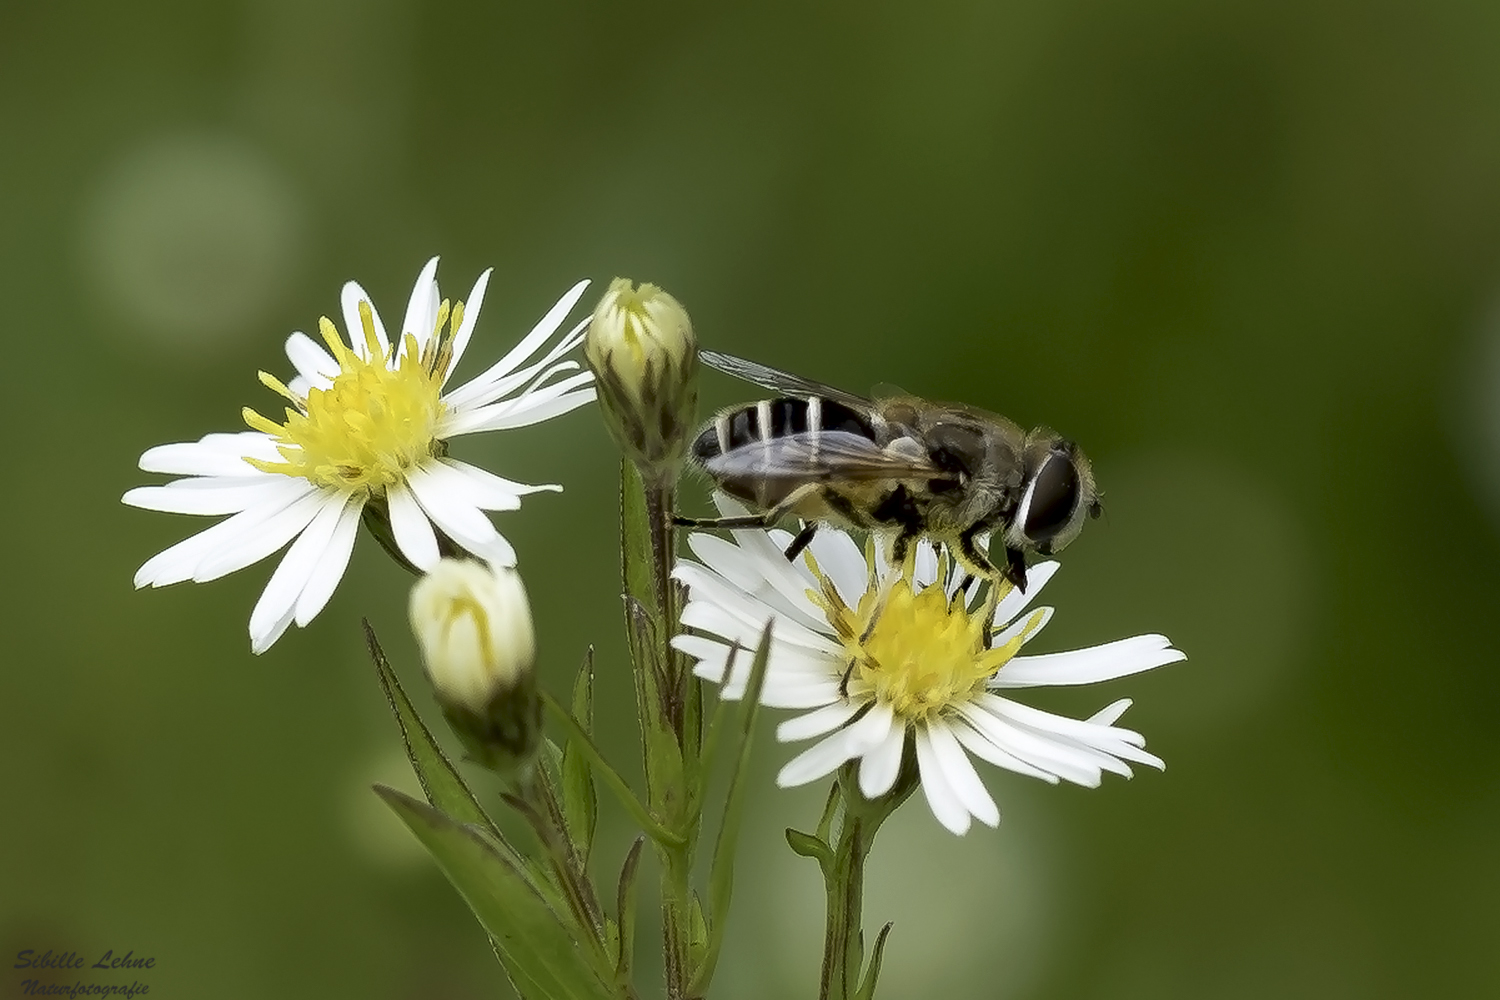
x=772, y=418
x=768, y=420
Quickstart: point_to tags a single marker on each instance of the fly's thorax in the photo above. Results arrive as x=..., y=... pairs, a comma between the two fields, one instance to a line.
x=980, y=455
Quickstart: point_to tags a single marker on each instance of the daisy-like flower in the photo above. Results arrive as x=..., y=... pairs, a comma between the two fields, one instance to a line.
x=877, y=652
x=367, y=424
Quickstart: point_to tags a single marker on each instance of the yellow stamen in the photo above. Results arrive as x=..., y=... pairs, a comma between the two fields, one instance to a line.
x=376, y=422
x=914, y=648
x=277, y=386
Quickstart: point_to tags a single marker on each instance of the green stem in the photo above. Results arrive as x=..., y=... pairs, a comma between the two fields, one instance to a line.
x=610, y=776
x=844, y=882
x=537, y=803
x=681, y=710
x=669, y=702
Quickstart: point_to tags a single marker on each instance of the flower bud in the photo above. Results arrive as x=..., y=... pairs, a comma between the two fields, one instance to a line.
x=473, y=624
x=644, y=356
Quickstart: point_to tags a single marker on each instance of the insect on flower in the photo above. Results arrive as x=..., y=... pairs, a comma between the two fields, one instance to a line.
x=900, y=466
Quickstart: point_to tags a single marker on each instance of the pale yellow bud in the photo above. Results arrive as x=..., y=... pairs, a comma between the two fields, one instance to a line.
x=644, y=356
x=473, y=624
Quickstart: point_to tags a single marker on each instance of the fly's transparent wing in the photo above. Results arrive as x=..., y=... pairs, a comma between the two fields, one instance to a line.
x=780, y=381
x=824, y=456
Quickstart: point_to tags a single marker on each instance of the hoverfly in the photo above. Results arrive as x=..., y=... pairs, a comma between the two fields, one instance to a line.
x=898, y=466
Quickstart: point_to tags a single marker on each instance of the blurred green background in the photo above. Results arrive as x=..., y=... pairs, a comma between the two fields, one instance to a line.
x=1246, y=253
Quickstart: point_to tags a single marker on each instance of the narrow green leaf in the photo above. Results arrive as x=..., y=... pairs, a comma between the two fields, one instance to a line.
x=698, y=936
x=521, y=983
x=721, y=871
x=663, y=760
x=867, y=985
x=625, y=902
x=830, y=809
x=809, y=846
x=583, y=693
x=540, y=945
x=440, y=780
x=717, y=726
x=612, y=779
x=580, y=800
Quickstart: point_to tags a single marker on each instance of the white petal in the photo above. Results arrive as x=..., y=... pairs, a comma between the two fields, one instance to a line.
x=726, y=559
x=470, y=396
x=211, y=455
x=471, y=315
x=699, y=647
x=961, y=775
x=1110, y=714
x=330, y=569
x=824, y=720
x=726, y=621
x=507, y=415
x=311, y=359
x=841, y=560
x=826, y=756
x=1108, y=746
x=1030, y=624
x=1049, y=722
x=1014, y=602
x=268, y=536
x=471, y=484
x=941, y=798
x=177, y=563
x=459, y=520
x=882, y=765
x=1064, y=761
x=260, y=643
x=527, y=346
x=490, y=484
x=410, y=527
x=422, y=306
x=749, y=594
x=753, y=607
x=786, y=665
x=291, y=576
x=213, y=494
x=791, y=681
x=980, y=746
x=350, y=298
x=800, y=695
x=924, y=564
x=1089, y=666
x=766, y=559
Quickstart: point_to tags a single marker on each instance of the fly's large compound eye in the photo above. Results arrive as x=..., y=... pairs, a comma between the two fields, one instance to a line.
x=1053, y=498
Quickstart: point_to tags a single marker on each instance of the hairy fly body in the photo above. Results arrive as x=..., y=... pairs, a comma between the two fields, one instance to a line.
x=901, y=466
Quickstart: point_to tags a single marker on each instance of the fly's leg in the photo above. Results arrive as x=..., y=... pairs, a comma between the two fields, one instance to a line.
x=978, y=563
x=743, y=521
x=1015, y=568
x=801, y=541
x=765, y=519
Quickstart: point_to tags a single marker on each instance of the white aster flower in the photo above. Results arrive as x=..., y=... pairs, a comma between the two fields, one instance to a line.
x=876, y=652
x=368, y=422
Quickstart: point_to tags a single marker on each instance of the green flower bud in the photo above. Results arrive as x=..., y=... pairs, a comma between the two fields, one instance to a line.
x=641, y=348
x=473, y=624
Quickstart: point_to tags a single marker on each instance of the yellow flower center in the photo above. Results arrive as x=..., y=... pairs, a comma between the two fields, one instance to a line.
x=914, y=648
x=375, y=423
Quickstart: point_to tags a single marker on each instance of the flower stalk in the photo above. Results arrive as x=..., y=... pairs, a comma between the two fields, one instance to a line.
x=642, y=350
x=668, y=700
x=843, y=867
